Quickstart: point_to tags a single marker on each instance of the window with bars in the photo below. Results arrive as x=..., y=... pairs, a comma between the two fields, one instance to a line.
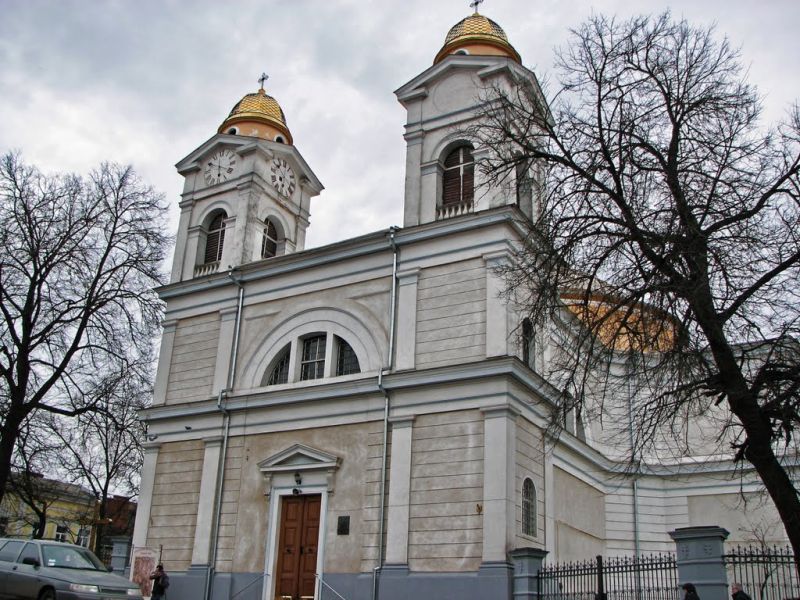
x=528, y=507
x=346, y=359
x=312, y=363
x=215, y=238
x=458, y=184
x=269, y=243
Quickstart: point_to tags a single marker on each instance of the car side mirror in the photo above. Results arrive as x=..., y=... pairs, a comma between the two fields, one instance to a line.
x=29, y=560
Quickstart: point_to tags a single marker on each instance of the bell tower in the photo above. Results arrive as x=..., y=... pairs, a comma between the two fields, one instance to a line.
x=443, y=175
x=247, y=192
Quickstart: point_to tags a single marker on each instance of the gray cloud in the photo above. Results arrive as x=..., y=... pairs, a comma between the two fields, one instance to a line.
x=146, y=82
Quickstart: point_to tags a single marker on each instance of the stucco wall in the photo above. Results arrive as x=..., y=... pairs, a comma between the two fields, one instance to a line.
x=749, y=517
x=445, y=527
x=194, y=356
x=176, y=491
x=579, y=516
x=451, y=314
x=246, y=509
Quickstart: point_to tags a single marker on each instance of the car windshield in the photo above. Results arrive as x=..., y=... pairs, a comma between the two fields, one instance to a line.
x=69, y=557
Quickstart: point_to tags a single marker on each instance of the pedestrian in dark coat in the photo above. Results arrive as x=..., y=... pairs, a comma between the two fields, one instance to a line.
x=690, y=592
x=737, y=593
x=160, y=583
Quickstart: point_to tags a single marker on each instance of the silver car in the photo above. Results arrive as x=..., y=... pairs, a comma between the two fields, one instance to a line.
x=47, y=570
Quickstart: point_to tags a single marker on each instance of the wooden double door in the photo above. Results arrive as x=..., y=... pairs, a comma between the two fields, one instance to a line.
x=297, y=547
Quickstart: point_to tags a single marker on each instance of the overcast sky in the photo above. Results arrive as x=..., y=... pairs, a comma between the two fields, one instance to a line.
x=145, y=81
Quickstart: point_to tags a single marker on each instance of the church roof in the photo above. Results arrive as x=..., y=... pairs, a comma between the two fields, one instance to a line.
x=476, y=32
x=257, y=107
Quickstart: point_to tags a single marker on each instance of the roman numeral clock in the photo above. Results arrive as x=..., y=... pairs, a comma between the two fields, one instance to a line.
x=220, y=167
x=282, y=176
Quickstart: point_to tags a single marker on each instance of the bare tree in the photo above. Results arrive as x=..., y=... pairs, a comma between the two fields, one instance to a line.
x=666, y=235
x=34, y=455
x=101, y=449
x=77, y=309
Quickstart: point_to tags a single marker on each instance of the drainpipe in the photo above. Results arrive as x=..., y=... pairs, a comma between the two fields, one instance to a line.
x=226, y=417
x=388, y=368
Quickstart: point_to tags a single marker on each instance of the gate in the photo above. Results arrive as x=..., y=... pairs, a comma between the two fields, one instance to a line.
x=648, y=577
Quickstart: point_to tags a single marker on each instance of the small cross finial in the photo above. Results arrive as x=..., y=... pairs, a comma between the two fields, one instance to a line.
x=263, y=79
x=474, y=4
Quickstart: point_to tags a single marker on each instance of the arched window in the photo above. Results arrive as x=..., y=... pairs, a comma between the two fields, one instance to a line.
x=269, y=243
x=458, y=185
x=528, y=507
x=528, y=343
x=346, y=359
x=280, y=372
x=215, y=238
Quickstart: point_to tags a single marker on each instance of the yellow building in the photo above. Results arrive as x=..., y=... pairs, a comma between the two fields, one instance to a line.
x=67, y=511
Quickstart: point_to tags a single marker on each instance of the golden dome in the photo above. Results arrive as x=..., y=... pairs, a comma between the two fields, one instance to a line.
x=622, y=327
x=257, y=115
x=477, y=35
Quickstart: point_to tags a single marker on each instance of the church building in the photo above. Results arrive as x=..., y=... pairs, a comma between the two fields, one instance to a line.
x=368, y=419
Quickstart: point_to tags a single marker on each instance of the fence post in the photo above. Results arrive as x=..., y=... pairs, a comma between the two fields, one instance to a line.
x=527, y=562
x=601, y=585
x=700, y=560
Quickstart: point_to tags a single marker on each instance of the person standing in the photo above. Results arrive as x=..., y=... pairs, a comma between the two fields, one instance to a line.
x=690, y=592
x=737, y=593
x=160, y=583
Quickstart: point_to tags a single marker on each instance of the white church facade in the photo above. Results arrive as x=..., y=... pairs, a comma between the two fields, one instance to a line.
x=369, y=417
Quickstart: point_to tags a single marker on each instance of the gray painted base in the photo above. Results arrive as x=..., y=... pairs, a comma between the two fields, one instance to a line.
x=493, y=581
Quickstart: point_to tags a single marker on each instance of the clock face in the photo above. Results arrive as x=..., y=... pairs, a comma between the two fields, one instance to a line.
x=282, y=177
x=220, y=167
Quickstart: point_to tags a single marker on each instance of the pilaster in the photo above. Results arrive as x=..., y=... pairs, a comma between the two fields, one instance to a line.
x=140, y=527
x=399, y=492
x=201, y=551
x=499, y=516
x=227, y=329
x=496, y=308
x=405, y=354
x=181, y=242
x=164, y=362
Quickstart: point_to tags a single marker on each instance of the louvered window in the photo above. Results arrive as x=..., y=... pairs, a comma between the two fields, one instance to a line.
x=346, y=360
x=269, y=244
x=528, y=508
x=458, y=185
x=215, y=238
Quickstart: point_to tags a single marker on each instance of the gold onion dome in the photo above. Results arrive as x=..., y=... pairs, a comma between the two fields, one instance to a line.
x=477, y=35
x=257, y=115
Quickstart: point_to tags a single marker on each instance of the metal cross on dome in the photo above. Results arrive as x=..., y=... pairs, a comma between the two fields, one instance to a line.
x=474, y=4
x=264, y=76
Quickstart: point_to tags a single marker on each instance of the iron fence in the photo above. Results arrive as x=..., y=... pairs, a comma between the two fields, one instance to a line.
x=766, y=573
x=648, y=577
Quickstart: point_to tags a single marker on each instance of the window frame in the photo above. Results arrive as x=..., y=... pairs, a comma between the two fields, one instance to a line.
x=266, y=238
x=62, y=533
x=529, y=501
x=328, y=354
x=217, y=235
x=318, y=361
x=459, y=169
x=342, y=348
